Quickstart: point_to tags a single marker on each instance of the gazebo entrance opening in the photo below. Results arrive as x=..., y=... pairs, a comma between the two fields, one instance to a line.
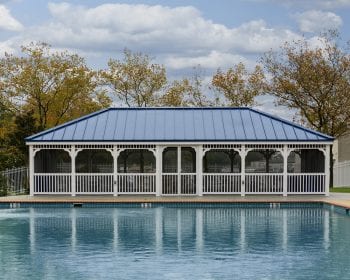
x=179, y=171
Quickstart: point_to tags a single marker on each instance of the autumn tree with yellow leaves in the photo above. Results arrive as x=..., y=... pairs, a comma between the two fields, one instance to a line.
x=314, y=81
x=47, y=87
x=135, y=80
x=237, y=86
x=56, y=86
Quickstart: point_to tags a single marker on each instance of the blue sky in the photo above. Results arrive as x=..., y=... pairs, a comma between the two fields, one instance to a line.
x=179, y=34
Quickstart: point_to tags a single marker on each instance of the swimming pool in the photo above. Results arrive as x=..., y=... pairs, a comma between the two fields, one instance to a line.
x=174, y=243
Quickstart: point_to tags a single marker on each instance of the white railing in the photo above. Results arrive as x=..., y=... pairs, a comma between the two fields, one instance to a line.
x=341, y=173
x=188, y=183
x=221, y=183
x=299, y=183
x=169, y=183
x=136, y=183
x=145, y=183
x=94, y=183
x=45, y=183
x=260, y=183
x=17, y=180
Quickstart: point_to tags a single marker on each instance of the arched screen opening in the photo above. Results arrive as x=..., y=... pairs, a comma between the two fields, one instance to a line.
x=264, y=161
x=52, y=161
x=94, y=161
x=136, y=161
x=222, y=161
x=306, y=161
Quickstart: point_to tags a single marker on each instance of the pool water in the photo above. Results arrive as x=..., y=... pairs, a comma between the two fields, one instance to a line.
x=174, y=243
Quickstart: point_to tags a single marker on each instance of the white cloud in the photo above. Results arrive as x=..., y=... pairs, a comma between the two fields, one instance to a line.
x=317, y=21
x=212, y=60
x=324, y=4
x=153, y=29
x=7, y=46
x=267, y=103
x=7, y=21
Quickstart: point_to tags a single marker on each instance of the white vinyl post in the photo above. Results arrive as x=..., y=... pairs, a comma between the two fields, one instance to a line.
x=179, y=170
x=31, y=170
x=159, y=164
x=285, y=169
x=243, y=155
x=327, y=165
x=199, y=163
x=115, y=170
x=73, y=180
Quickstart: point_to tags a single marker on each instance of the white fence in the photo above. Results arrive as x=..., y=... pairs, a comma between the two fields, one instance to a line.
x=188, y=183
x=93, y=183
x=264, y=183
x=170, y=183
x=52, y=183
x=341, y=174
x=179, y=184
x=306, y=183
x=221, y=183
x=136, y=183
x=17, y=180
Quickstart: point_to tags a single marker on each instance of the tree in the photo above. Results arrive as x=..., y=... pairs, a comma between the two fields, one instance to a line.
x=56, y=86
x=188, y=92
x=314, y=81
x=3, y=186
x=237, y=86
x=135, y=80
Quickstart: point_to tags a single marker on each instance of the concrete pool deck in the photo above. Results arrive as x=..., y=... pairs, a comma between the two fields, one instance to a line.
x=338, y=199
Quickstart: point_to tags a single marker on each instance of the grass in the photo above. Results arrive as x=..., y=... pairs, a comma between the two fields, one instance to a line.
x=340, y=190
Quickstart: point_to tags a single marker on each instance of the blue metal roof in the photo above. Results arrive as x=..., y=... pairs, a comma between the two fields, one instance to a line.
x=178, y=124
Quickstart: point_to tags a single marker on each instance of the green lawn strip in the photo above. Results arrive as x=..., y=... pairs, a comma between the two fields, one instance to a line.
x=340, y=190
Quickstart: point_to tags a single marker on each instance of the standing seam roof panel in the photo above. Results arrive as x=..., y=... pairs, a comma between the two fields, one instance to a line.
x=90, y=128
x=101, y=125
x=130, y=124
x=258, y=125
x=179, y=124
x=58, y=134
x=159, y=126
x=300, y=134
x=289, y=132
x=169, y=125
x=198, y=123
x=140, y=123
x=208, y=124
x=150, y=125
x=248, y=125
x=110, y=125
x=228, y=125
x=69, y=132
x=311, y=136
x=278, y=129
x=189, y=128
x=219, y=126
x=120, y=125
x=238, y=125
x=268, y=128
x=80, y=130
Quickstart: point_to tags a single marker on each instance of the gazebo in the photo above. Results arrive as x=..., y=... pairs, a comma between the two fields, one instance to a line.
x=179, y=151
